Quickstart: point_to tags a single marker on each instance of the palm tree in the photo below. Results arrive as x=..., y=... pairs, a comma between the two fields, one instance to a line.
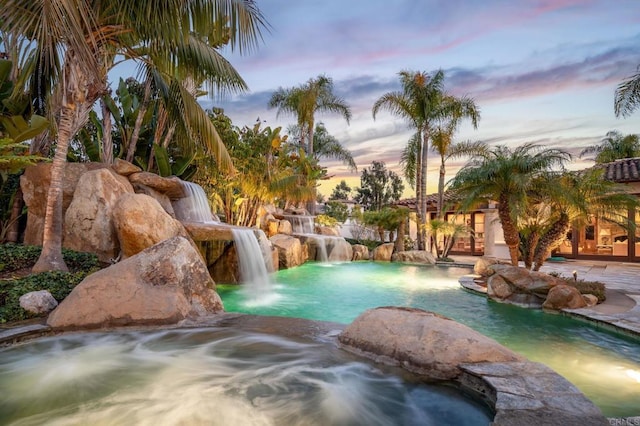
x=570, y=198
x=506, y=176
x=627, y=97
x=424, y=103
x=77, y=41
x=304, y=101
x=614, y=146
x=443, y=144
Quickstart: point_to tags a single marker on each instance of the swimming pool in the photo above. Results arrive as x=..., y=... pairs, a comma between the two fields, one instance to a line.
x=603, y=365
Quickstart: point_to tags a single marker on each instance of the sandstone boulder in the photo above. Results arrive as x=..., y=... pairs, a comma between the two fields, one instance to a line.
x=124, y=168
x=141, y=222
x=284, y=227
x=414, y=256
x=421, y=342
x=88, y=224
x=38, y=302
x=360, y=252
x=290, y=252
x=564, y=297
x=482, y=265
x=383, y=252
x=35, y=185
x=519, y=286
x=171, y=186
x=164, y=284
x=339, y=250
x=590, y=299
x=161, y=198
x=328, y=230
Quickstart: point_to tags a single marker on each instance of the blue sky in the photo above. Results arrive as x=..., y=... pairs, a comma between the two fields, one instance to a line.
x=541, y=71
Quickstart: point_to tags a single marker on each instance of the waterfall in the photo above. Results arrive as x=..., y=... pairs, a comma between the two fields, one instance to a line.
x=252, y=263
x=301, y=224
x=321, y=249
x=194, y=207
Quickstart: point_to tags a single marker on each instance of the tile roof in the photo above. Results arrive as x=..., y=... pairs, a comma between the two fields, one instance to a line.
x=625, y=170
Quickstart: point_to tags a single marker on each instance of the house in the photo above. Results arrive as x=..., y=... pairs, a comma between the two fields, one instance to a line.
x=598, y=239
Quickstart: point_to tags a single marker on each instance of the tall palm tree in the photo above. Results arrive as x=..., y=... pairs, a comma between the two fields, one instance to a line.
x=424, y=103
x=442, y=143
x=506, y=176
x=627, y=97
x=77, y=41
x=304, y=101
x=614, y=146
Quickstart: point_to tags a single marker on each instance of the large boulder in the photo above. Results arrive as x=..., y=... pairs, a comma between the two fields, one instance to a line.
x=124, y=168
x=331, y=231
x=421, y=342
x=414, y=256
x=339, y=250
x=35, y=185
x=170, y=186
x=38, y=302
x=519, y=286
x=482, y=265
x=564, y=297
x=360, y=252
x=383, y=252
x=88, y=224
x=141, y=222
x=290, y=253
x=164, y=284
x=161, y=198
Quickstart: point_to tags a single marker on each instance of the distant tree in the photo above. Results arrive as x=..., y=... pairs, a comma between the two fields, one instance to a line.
x=378, y=187
x=342, y=191
x=337, y=210
x=614, y=146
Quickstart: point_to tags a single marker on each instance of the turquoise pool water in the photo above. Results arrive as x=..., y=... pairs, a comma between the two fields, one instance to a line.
x=604, y=365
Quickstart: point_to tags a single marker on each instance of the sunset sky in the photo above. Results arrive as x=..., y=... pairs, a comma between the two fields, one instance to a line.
x=541, y=71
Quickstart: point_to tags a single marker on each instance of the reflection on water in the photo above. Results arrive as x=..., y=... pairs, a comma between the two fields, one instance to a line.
x=211, y=377
x=603, y=365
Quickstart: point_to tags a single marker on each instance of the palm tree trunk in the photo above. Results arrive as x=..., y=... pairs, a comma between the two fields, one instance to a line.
x=107, y=142
x=424, y=155
x=51, y=257
x=530, y=248
x=131, y=150
x=399, y=243
x=441, y=189
x=511, y=236
x=13, y=230
x=550, y=240
x=311, y=205
x=421, y=242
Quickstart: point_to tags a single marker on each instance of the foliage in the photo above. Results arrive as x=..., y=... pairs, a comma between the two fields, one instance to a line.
x=627, y=97
x=444, y=234
x=386, y=219
x=506, y=176
x=337, y=210
x=59, y=284
x=269, y=170
x=614, y=146
x=17, y=256
x=378, y=187
x=342, y=191
x=326, y=220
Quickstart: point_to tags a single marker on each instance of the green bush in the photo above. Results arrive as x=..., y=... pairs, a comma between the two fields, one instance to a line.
x=589, y=287
x=59, y=284
x=17, y=256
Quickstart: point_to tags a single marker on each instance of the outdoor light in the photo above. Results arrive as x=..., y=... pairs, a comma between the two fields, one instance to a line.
x=575, y=275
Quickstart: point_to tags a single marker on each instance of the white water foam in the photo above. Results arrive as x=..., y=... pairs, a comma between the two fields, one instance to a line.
x=194, y=207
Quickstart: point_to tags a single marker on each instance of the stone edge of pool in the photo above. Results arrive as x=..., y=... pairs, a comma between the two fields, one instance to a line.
x=519, y=393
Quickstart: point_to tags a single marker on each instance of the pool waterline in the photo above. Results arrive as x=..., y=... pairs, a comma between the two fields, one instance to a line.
x=602, y=364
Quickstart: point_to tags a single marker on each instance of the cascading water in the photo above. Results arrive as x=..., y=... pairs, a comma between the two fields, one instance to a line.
x=255, y=264
x=301, y=224
x=194, y=207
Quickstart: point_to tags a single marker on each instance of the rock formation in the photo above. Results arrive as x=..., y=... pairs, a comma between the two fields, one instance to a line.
x=414, y=256
x=383, y=252
x=163, y=284
x=360, y=252
x=421, y=342
x=38, y=302
x=290, y=253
